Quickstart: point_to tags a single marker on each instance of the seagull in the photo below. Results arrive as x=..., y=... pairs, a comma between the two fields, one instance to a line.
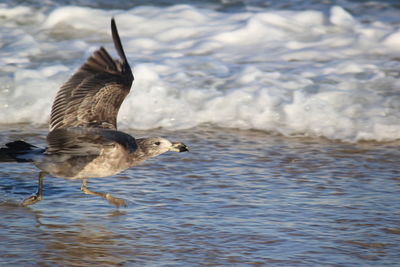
x=83, y=141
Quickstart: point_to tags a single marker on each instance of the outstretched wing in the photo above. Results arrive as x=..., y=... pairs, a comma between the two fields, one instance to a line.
x=93, y=95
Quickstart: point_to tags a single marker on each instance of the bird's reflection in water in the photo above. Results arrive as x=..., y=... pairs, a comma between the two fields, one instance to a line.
x=83, y=244
x=59, y=240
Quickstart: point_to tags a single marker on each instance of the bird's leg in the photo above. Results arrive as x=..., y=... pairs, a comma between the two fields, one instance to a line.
x=112, y=200
x=38, y=196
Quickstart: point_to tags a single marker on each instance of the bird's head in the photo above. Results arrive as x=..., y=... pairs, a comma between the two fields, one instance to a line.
x=155, y=146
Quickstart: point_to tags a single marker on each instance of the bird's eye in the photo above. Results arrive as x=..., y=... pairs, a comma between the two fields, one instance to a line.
x=157, y=143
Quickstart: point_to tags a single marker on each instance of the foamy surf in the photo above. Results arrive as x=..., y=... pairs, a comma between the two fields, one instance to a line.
x=296, y=73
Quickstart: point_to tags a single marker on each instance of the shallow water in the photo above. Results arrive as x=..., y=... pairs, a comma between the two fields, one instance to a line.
x=237, y=198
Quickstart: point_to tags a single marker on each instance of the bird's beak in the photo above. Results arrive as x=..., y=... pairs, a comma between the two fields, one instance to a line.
x=178, y=147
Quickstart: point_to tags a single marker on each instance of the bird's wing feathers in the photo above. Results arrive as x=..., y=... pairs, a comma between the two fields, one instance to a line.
x=93, y=95
x=87, y=141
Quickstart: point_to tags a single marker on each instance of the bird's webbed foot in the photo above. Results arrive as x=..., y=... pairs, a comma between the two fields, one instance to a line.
x=31, y=200
x=38, y=196
x=117, y=202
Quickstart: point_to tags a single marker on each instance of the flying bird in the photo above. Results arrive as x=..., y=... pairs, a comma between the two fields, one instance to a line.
x=83, y=141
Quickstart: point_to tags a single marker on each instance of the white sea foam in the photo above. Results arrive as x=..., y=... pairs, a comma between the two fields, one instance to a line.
x=290, y=72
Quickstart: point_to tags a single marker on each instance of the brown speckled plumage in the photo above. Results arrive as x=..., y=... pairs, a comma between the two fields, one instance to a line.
x=94, y=94
x=83, y=141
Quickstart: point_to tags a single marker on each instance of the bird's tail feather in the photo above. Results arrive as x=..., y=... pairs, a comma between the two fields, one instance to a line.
x=19, y=151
